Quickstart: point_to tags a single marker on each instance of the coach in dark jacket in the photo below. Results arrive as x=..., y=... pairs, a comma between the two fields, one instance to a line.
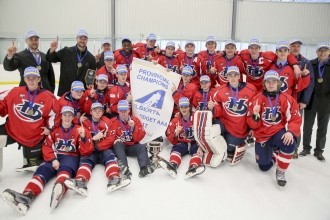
x=319, y=104
x=75, y=61
x=31, y=56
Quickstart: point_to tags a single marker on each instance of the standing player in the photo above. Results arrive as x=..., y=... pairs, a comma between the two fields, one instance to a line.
x=75, y=61
x=61, y=153
x=180, y=134
x=274, y=117
x=99, y=57
x=169, y=60
x=108, y=68
x=103, y=138
x=31, y=56
x=149, y=51
x=31, y=116
x=231, y=110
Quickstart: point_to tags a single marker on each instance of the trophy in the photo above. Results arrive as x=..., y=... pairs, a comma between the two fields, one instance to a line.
x=154, y=148
x=89, y=78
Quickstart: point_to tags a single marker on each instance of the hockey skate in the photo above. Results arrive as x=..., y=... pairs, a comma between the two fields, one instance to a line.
x=195, y=170
x=124, y=170
x=115, y=182
x=57, y=194
x=280, y=177
x=77, y=185
x=171, y=168
x=146, y=170
x=30, y=165
x=20, y=202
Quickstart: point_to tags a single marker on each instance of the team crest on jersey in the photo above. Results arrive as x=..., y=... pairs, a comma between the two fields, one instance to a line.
x=223, y=74
x=187, y=134
x=255, y=72
x=284, y=86
x=154, y=99
x=62, y=147
x=126, y=136
x=268, y=117
x=23, y=112
x=235, y=110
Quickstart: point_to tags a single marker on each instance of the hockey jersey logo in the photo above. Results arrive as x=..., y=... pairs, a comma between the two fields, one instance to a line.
x=187, y=134
x=223, y=74
x=238, y=109
x=24, y=112
x=68, y=147
x=126, y=136
x=255, y=72
x=268, y=117
x=284, y=86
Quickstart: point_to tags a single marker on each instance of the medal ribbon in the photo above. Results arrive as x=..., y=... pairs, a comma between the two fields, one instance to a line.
x=271, y=104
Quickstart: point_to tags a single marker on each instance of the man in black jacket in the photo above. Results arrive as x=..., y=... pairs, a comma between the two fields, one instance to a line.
x=31, y=56
x=319, y=104
x=75, y=61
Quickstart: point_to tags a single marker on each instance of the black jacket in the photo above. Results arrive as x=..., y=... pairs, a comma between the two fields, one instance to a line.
x=320, y=99
x=25, y=59
x=69, y=69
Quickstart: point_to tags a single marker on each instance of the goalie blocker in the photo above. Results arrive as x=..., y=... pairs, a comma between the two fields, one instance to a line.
x=209, y=139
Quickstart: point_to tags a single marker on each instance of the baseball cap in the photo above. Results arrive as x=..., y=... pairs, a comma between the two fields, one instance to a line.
x=96, y=105
x=125, y=39
x=121, y=69
x=232, y=69
x=109, y=55
x=323, y=45
x=210, y=39
x=106, y=41
x=255, y=42
x=122, y=105
x=102, y=77
x=295, y=41
x=282, y=44
x=152, y=36
x=82, y=33
x=189, y=42
x=204, y=78
x=271, y=74
x=184, y=101
x=31, y=71
x=187, y=71
x=31, y=34
x=170, y=44
x=230, y=42
x=67, y=109
x=77, y=86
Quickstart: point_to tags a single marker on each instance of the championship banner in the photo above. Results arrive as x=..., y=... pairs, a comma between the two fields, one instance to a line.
x=152, y=96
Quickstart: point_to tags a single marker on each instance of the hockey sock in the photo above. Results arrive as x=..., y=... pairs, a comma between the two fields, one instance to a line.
x=112, y=169
x=35, y=185
x=175, y=157
x=283, y=160
x=84, y=172
x=195, y=160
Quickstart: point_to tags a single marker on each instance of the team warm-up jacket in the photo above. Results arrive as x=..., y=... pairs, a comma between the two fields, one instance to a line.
x=124, y=133
x=286, y=116
x=66, y=142
x=24, y=59
x=234, y=118
x=24, y=128
x=69, y=69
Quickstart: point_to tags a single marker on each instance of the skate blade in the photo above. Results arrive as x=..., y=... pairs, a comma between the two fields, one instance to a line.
x=163, y=165
x=199, y=171
x=72, y=186
x=123, y=183
x=28, y=169
x=9, y=199
x=56, y=196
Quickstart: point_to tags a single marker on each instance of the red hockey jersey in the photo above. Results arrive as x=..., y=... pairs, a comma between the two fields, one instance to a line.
x=234, y=118
x=117, y=93
x=187, y=91
x=186, y=135
x=223, y=63
x=210, y=60
x=201, y=99
x=197, y=63
x=112, y=78
x=171, y=63
x=22, y=126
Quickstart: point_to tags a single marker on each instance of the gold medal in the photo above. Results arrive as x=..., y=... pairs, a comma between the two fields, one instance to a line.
x=320, y=80
x=30, y=111
x=79, y=65
x=39, y=68
x=67, y=148
x=273, y=117
x=235, y=108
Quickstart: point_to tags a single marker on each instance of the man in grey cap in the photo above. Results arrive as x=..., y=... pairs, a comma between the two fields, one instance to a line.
x=99, y=57
x=31, y=56
x=75, y=61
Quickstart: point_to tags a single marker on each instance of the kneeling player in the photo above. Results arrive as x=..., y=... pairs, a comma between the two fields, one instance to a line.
x=180, y=134
x=103, y=139
x=233, y=99
x=60, y=151
x=276, y=121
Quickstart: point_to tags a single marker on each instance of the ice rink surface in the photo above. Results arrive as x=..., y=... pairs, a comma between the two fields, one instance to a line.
x=227, y=192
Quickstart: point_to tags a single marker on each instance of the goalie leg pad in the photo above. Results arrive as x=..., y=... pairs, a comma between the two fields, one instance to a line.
x=238, y=155
x=3, y=143
x=209, y=139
